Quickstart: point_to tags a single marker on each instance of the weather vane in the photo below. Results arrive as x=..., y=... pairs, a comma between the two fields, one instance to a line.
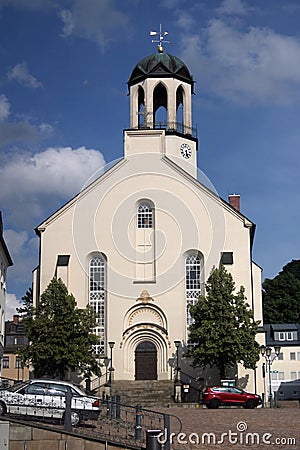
x=162, y=35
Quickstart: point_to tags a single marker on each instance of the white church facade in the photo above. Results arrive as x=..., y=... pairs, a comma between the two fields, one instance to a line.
x=139, y=242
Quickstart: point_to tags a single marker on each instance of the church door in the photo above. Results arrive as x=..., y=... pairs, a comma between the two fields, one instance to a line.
x=146, y=361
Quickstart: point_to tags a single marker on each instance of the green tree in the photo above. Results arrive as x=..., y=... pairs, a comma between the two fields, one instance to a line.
x=281, y=295
x=224, y=330
x=61, y=335
x=27, y=304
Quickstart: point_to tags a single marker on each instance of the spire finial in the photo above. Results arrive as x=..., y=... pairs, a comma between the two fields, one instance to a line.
x=162, y=35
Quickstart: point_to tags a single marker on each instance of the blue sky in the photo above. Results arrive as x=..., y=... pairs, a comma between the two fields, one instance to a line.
x=63, y=106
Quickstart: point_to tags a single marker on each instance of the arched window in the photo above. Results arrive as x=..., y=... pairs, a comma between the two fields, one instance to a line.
x=141, y=109
x=145, y=216
x=97, y=294
x=160, y=106
x=193, y=282
x=179, y=110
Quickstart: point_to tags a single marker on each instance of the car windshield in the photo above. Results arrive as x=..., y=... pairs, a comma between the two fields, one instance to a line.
x=18, y=386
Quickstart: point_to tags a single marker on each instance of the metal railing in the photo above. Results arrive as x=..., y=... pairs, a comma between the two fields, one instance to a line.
x=170, y=127
x=129, y=424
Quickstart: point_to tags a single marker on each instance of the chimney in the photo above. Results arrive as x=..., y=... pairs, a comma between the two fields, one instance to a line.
x=16, y=319
x=235, y=201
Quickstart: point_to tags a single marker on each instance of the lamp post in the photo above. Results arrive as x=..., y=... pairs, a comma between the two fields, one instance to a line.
x=177, y=369
x=111, y=369
x=106, y=363
x=270, y=357
x=177, y=374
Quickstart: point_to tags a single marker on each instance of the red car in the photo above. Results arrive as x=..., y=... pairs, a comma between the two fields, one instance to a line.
x=213, y=397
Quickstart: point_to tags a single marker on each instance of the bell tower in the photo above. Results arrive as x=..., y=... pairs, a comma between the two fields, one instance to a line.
x=160, y=90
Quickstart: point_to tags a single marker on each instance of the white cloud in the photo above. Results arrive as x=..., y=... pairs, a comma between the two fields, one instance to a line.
x=11, y=304
x=258, y=66
x=94, y=23
x=19, y=131
x=21, y=74
x=56, y=173
x=4, y=108
x=232, y=7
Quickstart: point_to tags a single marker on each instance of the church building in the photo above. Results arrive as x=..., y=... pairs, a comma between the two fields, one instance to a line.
x=139, y=242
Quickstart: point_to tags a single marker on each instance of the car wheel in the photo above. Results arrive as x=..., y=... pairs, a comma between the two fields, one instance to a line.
x=75, y=419
x=214, y=403
x=250, y=404
x=2, y=408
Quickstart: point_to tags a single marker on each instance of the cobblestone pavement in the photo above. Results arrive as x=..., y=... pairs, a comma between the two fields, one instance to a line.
x=243, y=429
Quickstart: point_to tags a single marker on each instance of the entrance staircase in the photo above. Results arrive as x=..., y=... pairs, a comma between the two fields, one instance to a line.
x=148, y=393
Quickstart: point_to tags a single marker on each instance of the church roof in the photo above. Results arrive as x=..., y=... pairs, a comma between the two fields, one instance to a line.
x=160, y=65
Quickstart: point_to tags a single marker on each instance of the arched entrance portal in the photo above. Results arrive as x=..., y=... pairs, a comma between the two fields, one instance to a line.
x=146, y=361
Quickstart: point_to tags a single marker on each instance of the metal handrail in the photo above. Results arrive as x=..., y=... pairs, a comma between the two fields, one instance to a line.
x=171, y=127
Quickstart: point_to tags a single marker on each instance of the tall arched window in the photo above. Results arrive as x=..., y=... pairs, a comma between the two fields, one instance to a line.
x=97, y=294
x=193, y=283
x=179, y=110
x=145, y=216
x=160, y=106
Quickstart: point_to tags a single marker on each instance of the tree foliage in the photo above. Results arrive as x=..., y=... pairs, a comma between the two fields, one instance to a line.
x=224, y=330
x=281, y=295
x=61, y=335
x=27, y=304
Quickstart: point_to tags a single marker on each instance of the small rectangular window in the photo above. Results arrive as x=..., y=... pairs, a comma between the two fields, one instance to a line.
x=62, y=260
x=5, y=362
x=289, y=336
x=18, y=363
x=280, y=356
x=281, y=336
x=227, y=258
x=293, y=375
x=298, y=356
x=281, y=375
x=292, y=356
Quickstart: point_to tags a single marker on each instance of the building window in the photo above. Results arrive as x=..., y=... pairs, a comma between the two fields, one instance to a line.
x=289, y=336
x=280, y=356
x=292, y=356
x=5, y=362
x=18, y=362
x=281, y=336
x=145, y=216
x=227, y=258
x=293, y=375
x=97, y=295
x=281, y=376
x=193, y=283
x=298, y=356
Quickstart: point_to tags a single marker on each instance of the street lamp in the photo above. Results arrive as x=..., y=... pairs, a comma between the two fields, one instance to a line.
x=106, y=363
x=270, y=357
x=177, y=345
x=111, y=369
x=177, y=374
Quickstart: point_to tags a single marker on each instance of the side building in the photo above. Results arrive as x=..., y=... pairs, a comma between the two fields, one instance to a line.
x=286, y=367
x=15, y=340
x=5, y=262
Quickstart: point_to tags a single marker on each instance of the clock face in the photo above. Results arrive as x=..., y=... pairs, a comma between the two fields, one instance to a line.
x=186, y=150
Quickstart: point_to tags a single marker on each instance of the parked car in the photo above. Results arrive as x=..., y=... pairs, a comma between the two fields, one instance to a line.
x=289, y=390
x=47, y=399
x=213, y=397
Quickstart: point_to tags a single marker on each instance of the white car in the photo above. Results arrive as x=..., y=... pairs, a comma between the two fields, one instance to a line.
x=47, y=399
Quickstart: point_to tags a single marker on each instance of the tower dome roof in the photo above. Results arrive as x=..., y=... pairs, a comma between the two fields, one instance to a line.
x=160, y=65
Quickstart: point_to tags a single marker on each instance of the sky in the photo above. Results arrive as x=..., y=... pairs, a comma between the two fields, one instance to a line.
x=64, y=67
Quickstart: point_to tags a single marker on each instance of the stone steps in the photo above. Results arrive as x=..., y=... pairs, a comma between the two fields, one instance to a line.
x=147, y=393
